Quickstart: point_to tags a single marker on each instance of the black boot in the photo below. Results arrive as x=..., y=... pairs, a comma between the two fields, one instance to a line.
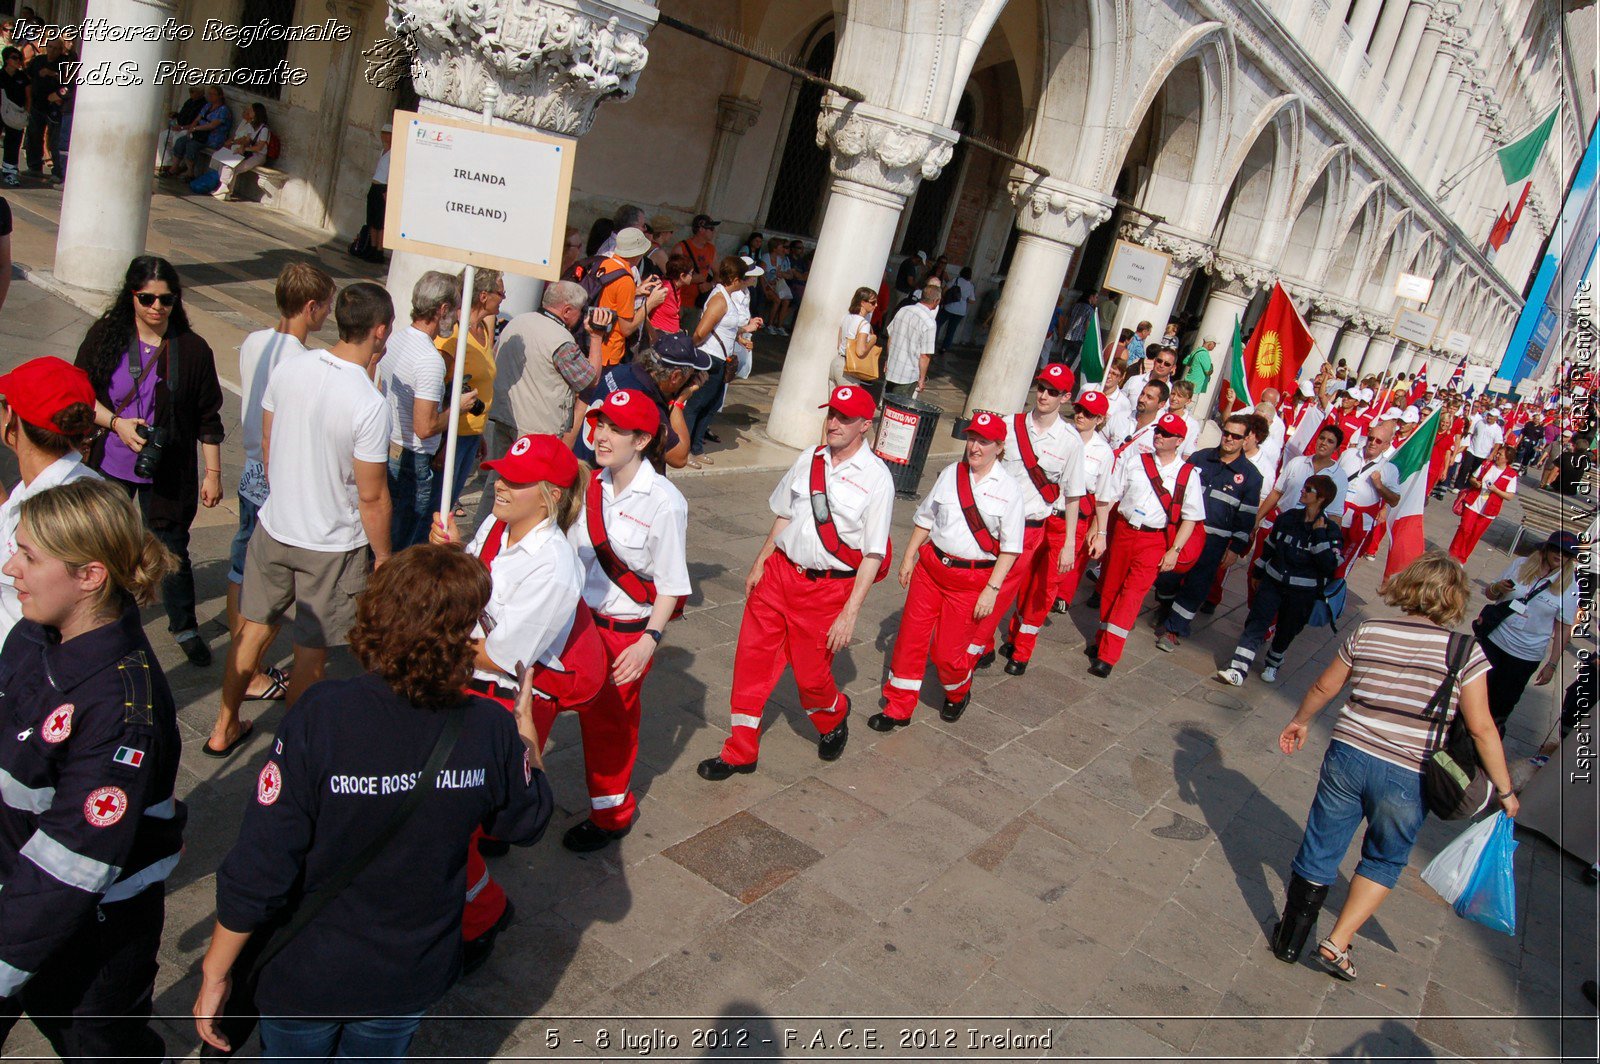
x=1299, y=918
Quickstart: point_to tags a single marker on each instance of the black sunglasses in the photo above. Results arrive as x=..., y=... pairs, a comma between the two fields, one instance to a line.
x=1169, y=435
x=1047, y=390
x=1233, y=435
x=148, y=299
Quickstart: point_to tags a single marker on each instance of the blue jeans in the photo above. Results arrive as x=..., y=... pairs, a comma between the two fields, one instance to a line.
x=703, y=406
x=467, y=449
x=381, y=1038
x=248, y=512
x=1356, y=786
x=414, y=494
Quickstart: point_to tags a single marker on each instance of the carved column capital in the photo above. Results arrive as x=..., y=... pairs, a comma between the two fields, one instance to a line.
x=1243, y=277
x=1056, y=211
x=736, y=114
x=553, y=61
x=881, y=149
x=1189, y=251
x=1332, y=308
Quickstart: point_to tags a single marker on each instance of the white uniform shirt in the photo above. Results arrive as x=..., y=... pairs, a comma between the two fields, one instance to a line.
x=1265, y=464
x=1358, y=472
x=412, y=369
x=1138, y=502
x=325, y=415
x=1273, y=448
x=1098, y=464
x=647, y=526
x=1059, y=452
x=1191, y=439
x=1135, y=385
x=860, y=501
x=1292, y=481
x=63, y=470
x=1127, y=438
x=535, y=584
x=999, y=499
x=1482, y=436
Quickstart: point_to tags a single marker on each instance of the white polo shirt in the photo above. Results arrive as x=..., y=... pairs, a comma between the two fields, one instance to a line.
x=647, y=525
x=860, y=501
x=1059, y=453
x=1098, y=463
x=999, y=500
x=1138, y=502
x=1482, y=436
x=412, y=369
x=1358, y=472
x=1292, y=481
x=63, y=470
x=1127, y=438
x=535, y=584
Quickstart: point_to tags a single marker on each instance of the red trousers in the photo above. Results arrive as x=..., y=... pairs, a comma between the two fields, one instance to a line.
x=1471, y=529
x=937, y=615
x=1010, y=591
x=1132, y=563
x=1039, y=584
x=1067, y=582
x=610, y=727
x=1362, y=534
x=786, y=622
x=575, y=687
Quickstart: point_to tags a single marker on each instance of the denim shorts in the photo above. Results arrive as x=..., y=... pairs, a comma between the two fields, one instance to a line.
x=1355, y=786
x=248, y=512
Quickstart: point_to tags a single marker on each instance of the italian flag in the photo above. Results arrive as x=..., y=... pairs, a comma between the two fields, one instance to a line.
x=1406, y=541
x=1090, y=366
x=1238, y=379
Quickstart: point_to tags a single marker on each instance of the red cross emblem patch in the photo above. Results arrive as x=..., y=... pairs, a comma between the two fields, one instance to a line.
x=269, y=784
x=58, y=725
x=105, y=806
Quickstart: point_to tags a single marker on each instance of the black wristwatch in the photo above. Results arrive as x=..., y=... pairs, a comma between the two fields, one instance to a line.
x=653, y=634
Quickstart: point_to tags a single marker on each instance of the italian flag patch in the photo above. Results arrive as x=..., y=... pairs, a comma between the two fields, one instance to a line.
x=127, y=755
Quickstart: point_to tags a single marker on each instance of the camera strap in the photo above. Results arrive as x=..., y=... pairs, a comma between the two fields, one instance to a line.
x=137, y=371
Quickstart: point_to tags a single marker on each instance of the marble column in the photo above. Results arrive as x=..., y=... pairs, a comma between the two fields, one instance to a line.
x=105, y=209
x=877, y=157
x=1363, y=19
x=1188, y=251
x=1396, y=13
x=1460, y=125
x=1421, y=69
x=1444, y=81
x=1445, y=125
x=1353, y=344
x=735, y=116
x=1327, y=318
x=1379, y=354
x=1233, y=285
x=1053, y=220
x=541, y=64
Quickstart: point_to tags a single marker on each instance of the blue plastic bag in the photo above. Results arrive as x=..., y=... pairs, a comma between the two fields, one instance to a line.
x=1490, y=896
x=1330, y=607
x=209, y=181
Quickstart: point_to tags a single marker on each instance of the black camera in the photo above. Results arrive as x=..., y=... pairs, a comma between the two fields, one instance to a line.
x=605, y=322
x=477, y=408
x=155, y=439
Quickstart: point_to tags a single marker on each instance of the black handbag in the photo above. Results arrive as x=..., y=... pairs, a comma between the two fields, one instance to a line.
x=240, y=1014
x=1453, y=782
x=1494, y=614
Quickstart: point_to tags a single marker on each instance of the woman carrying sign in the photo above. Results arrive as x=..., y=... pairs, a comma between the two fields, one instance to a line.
x=631, y=540
x=968, y=534
x=828, y=543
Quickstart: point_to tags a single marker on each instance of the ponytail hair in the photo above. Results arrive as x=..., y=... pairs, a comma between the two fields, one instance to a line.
x=564, y=505
x=90, y=520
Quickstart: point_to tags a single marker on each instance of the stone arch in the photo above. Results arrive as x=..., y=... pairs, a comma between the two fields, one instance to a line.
x=1261, y=171
x=1355, y=234
x=1081, y=58
x=1307, y=244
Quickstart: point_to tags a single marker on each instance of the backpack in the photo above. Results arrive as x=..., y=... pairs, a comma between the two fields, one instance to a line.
x=274, y=148
x=591, y=278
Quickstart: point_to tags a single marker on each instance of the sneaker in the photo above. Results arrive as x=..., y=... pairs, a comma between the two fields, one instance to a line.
x=12, y=179
x=194, y=648
x=1231, y=677
x=1269, y=675
x=1168, y=641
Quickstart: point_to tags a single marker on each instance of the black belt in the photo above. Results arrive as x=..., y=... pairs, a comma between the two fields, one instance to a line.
x=817, y=574
x=616, y=624
x=1036, y=523
x=1142, y=528
x=490, y=688
x=950, y=561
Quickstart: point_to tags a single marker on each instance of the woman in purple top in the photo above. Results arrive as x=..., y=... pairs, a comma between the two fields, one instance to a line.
x=159, y=402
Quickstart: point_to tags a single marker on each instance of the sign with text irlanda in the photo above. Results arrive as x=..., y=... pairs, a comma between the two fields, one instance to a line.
x=493, y=196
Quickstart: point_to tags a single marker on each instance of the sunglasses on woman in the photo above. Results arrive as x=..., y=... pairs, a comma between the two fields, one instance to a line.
x=148, y=299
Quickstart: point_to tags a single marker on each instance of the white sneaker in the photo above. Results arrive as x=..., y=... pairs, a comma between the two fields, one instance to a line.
x=1269, y=675
x=1231, y=677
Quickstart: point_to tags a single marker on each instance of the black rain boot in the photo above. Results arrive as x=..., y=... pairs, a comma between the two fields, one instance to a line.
x=1299, y=918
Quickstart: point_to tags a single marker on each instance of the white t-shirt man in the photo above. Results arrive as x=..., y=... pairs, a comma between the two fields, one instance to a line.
x=411, y=369
x=326, y=416
x=259, y=355
x=965, y=295
x=1483, y=435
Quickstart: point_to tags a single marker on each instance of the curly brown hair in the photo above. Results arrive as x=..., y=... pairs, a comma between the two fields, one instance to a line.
x=1434, y=586
x=414, y=623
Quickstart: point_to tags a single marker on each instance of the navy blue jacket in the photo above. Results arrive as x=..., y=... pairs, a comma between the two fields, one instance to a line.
x=1233, y=494
x=1298, y=555
x=346, y=755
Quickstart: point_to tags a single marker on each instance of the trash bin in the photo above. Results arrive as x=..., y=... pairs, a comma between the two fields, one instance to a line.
x=905, y=434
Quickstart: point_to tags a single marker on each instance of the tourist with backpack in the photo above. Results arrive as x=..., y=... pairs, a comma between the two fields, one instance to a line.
x=611, y=282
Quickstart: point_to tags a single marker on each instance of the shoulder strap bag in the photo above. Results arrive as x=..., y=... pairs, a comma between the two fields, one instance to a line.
x=240, y=1014
x=636, y=587
x=1454, y=785
x=1494, y=614
x=969, y=509
x=1173, y=505
x=827, y=531
x=1047, y=488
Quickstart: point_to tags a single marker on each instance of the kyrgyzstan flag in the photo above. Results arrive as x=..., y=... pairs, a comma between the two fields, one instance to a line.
x=1278, y=347
x=1406, y=541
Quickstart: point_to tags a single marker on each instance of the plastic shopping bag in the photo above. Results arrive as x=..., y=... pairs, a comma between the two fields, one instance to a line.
x=1449, y=872
x=1490, y=896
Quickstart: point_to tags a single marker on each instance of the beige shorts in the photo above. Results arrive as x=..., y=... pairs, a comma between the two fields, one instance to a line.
x=322, y=586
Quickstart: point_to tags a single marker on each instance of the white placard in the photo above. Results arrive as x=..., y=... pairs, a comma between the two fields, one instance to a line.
x=1458, y=342
x=489, y=195
x=1413, y=286
x=896, y=434
x=1137, y=271
x=1499, y=384
x=1475, y=377
x=1415, y=327
x=1527, y=386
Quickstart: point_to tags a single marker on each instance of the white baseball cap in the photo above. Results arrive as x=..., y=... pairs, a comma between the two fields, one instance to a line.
x=1411, y=417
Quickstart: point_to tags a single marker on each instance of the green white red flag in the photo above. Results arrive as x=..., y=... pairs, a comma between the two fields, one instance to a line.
x=1091, y=366
x=1237, y=384
x=1406, y=540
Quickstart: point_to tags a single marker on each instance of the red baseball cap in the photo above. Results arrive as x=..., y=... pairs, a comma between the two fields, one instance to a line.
x=988, y=426
x=39, y=389
x=1056, y=375
x=628, y=409
x=1172, y=425
x=537, y=457
x=1095, y=402
x=852, y=401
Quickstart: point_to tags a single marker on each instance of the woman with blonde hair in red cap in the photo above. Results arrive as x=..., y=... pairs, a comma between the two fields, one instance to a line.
x=536, y=620
x=1088, y=418
x=968, y=534
x=46, y=410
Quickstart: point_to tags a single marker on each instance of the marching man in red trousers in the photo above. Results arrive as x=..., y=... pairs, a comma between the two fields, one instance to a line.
x=968, y=533
x=632, y=542
x=1044, y=454
x=1160, y=503
x=1088, y=416
x=1374, y=483
x=805, y=590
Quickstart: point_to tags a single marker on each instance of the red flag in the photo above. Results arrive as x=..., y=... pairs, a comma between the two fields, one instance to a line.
x=1278, y=347
x=1419, y=385
x=1501, y=232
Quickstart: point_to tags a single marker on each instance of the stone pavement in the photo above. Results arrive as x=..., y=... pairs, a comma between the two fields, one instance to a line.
x=1097, y=860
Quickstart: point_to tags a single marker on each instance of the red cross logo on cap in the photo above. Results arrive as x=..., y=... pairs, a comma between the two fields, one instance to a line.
x=269, y=784
x=844, y=394
x=58, y=725
x=521, y=446
x=983, y=419
x=105, y=806
x=619, y=398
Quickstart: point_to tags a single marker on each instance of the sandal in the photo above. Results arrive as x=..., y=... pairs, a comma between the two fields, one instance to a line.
x=1340, y=963
x=245, y=730
x=277, y=686
x=694, y=463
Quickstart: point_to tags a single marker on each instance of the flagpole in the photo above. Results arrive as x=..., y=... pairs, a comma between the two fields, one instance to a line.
x=1454, y=179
